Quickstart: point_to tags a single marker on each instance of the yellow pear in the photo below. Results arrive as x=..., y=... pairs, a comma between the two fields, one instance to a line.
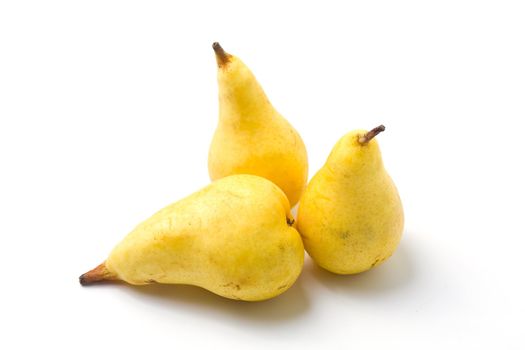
x=233, y=238
x=252, y=137
x=350, y=216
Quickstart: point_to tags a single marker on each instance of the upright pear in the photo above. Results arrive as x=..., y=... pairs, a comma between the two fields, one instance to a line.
x=350, y=216
x=233, y=238
x=252, y=137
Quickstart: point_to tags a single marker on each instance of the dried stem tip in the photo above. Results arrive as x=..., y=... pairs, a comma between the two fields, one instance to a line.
x=98, y=274
x=371, y=134
x=222, y=56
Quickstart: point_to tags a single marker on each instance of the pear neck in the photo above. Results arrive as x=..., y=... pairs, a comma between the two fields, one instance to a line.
x=349, y=159
x=242, y=99
x=242, y=112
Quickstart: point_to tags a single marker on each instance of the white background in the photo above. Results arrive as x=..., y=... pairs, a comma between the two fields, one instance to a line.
x=107, y=109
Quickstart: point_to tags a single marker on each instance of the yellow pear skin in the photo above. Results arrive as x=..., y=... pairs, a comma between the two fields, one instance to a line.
x=252, y=137
x=233, y=238
x=350, y=216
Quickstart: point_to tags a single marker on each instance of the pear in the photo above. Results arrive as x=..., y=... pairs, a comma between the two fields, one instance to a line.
x=350, y=216
x=233, y=238
x=251, y=136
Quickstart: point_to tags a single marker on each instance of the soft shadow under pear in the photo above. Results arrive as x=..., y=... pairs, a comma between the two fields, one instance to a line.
x=395, y=273
x=287, y=306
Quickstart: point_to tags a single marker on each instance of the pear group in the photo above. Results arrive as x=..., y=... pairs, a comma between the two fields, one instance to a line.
x=237, y=237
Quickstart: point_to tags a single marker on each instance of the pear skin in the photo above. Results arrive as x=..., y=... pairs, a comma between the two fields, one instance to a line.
x=251, y=136
x=350, y=216
x=233, y=238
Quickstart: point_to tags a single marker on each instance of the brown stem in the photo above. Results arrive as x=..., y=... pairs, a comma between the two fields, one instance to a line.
x=371, y=134
x=98, y=274
x=221, y=56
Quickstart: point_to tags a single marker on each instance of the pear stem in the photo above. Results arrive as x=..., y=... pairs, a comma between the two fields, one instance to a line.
x=98, y=274
x=371, y=134
x=222, y=56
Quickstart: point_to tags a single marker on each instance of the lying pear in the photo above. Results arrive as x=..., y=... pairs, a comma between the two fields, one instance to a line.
x=350, y=216
x=233, y=238
x=252, y=137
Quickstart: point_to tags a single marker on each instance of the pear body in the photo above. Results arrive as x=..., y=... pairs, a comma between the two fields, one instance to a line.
x=231, y=238
x=351, y=216
x=252, y=137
